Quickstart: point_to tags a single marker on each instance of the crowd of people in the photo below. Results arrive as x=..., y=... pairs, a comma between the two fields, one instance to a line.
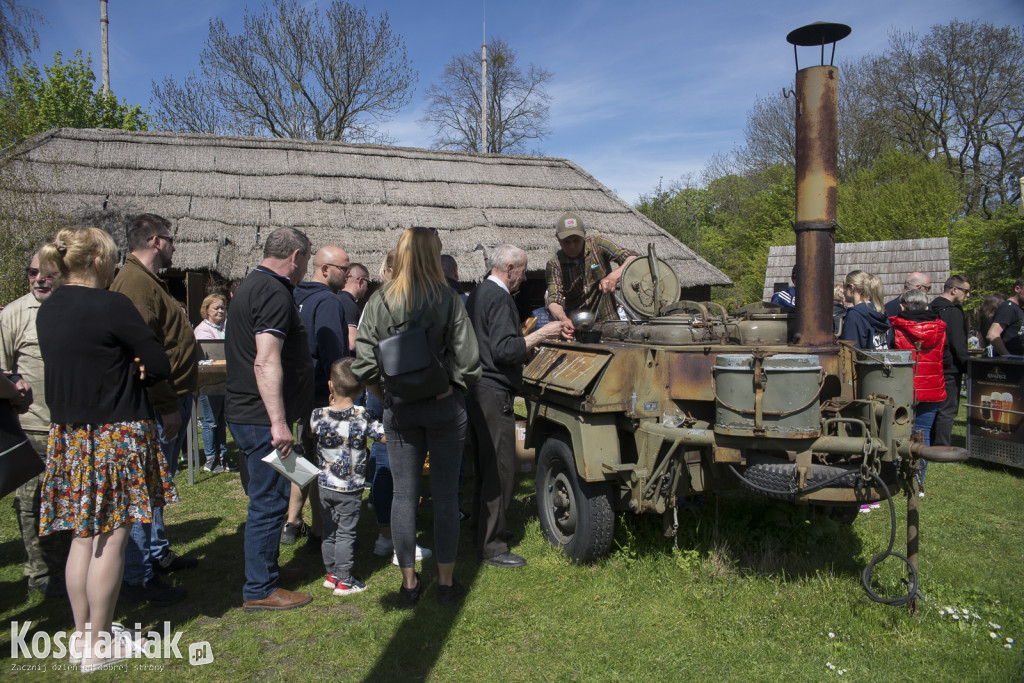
x=937, y=334
x=102, y=364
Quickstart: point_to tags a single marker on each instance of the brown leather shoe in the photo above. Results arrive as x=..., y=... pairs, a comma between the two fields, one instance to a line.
x=290, y=574
x=280, y=599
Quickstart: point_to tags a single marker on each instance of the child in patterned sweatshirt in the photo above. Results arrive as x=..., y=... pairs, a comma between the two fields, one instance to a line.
x=341, y=430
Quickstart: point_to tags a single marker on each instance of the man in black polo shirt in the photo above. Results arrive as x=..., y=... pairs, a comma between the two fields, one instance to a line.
x=265, y=348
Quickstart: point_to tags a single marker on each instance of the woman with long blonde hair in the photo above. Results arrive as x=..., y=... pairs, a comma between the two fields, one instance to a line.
x=104, y=470
x=865, y=324
x=438, y=424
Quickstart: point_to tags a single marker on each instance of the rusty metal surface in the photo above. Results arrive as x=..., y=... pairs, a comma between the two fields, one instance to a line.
x=816, y=162
x=567, y=368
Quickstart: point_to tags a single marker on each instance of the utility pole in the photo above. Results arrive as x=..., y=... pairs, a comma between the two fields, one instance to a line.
x=483, y=89
x=103, y=46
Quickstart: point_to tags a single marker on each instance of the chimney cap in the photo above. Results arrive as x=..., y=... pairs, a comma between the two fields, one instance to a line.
x=818, y=33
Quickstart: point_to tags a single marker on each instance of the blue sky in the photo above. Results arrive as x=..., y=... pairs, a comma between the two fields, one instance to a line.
x=642, y=90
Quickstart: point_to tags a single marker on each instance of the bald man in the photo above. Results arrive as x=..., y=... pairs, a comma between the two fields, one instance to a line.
x=327, y=331
x=916, y=280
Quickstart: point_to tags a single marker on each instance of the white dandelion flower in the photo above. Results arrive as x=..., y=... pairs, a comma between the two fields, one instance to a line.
x=992, y=635
x=1009, y=640
x=830, y=665
x=831, y=635
x=994, y=625
x=956, y=616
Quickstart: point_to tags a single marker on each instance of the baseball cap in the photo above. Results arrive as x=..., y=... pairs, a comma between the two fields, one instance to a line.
x=569, y=224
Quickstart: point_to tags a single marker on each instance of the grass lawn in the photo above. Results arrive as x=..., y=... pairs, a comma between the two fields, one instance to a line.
x=766, y=593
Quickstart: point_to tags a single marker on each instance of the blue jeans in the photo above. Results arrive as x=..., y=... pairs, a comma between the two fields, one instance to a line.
x=923, y=420
x=268, y=504
x=147, y=541
x=215, y=444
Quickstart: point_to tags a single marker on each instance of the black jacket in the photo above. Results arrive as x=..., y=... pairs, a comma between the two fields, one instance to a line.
x=954, y=358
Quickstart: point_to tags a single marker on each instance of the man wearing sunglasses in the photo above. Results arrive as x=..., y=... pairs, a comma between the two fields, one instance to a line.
x=152, y=250
x=949, y=307
x=352, y=293
x=46, y=555
x=327, y=331
x=915, y=280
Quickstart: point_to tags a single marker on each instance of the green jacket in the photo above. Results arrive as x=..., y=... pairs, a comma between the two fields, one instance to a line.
x=448, y=327
x=164, y=316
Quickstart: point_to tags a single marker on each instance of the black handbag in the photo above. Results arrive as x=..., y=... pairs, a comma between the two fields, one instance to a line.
x=19, y=462
x=410, y=370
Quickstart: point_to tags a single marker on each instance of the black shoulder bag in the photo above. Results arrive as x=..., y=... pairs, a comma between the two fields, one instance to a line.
x=410, y=371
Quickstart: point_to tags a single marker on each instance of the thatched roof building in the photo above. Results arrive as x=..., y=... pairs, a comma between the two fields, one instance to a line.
x=225, y=194
x=890, y=261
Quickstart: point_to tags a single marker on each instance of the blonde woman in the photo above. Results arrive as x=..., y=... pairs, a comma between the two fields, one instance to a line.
x=214, y=311
x=104, y=470
x=437, y=424
x=865, y=324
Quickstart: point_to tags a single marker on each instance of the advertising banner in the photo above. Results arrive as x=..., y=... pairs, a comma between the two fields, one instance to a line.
x=995, y=410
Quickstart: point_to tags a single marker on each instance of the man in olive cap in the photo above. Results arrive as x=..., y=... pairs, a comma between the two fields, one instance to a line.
x=580, y=276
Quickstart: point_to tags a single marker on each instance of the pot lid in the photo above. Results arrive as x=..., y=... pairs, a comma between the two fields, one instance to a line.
x=637, y=286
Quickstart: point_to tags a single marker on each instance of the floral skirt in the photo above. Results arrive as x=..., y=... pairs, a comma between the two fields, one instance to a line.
x=102, y=476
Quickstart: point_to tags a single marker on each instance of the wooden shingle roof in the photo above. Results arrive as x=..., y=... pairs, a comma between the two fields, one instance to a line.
x=890, y=261
x=225, y=194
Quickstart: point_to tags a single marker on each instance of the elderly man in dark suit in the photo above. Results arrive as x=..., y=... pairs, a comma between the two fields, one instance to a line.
x=503, y=351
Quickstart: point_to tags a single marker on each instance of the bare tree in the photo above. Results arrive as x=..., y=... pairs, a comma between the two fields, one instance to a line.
x=294, y=72
x=958, y=94
x=188, y=107
x=18, y=35
x=517, y=104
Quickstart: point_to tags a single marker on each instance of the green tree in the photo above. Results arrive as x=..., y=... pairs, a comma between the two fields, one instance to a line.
x=990, y=252
x=63, y=94
x=900, y=196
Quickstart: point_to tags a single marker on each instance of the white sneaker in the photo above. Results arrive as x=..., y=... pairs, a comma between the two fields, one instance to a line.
x=383, y=546
x=421, y=554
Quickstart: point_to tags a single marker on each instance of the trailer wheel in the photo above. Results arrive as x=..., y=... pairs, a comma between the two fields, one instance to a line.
x=575, y=515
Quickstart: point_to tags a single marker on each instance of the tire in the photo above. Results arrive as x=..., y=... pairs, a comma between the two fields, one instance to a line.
x=773, y=477
x=575, y=516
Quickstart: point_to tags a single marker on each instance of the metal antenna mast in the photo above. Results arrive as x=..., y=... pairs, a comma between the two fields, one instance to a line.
x=103, y=46
x=483, y=87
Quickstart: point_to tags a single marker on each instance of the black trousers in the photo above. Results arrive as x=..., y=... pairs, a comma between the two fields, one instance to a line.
x=493, y=426
x=942, y=432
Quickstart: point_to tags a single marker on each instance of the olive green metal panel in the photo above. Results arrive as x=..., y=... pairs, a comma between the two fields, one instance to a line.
x=564, y=368
x=595, y=441
x=635, y=382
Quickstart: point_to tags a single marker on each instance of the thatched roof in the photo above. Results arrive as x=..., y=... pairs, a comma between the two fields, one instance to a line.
x=225, y=194
x=890, y=261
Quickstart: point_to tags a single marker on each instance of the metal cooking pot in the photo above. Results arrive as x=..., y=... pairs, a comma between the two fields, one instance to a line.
x=582, y=320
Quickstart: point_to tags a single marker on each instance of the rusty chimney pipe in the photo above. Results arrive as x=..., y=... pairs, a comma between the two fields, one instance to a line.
x=817, y=145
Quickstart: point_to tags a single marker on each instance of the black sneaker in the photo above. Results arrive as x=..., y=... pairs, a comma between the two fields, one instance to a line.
x=449, y=595
x=154, y=591
x=172, y=562
x=408, y=597
x=291, y=532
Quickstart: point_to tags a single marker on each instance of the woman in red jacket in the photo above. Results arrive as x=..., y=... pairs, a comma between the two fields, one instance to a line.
x=919, y=330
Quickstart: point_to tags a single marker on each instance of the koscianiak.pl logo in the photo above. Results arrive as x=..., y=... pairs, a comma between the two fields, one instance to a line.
x=136, y=645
